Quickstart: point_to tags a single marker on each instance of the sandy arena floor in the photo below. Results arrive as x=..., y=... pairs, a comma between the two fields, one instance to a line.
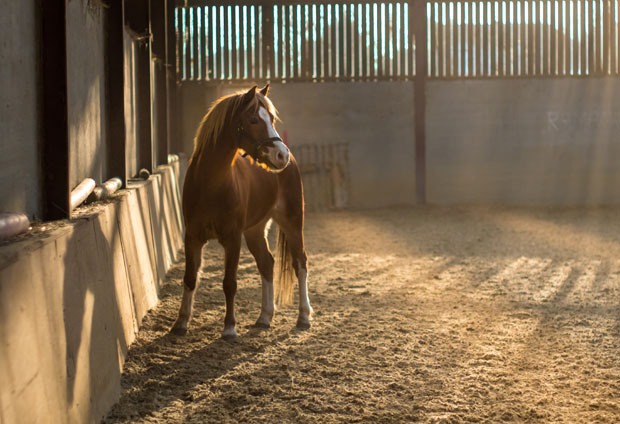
x=466, y=314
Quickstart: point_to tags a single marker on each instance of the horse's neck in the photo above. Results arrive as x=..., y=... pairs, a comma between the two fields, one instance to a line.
x=216, y=162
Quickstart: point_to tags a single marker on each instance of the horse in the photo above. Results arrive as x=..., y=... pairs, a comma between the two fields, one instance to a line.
x=241, y=177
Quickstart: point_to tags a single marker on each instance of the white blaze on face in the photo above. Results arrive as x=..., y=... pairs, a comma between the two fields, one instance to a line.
x=279, y=154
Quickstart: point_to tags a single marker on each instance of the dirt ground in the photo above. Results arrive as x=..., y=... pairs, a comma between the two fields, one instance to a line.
x=461, y=314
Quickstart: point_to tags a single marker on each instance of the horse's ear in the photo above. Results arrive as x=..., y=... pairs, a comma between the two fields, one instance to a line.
x=265, y=90
x=249, y=96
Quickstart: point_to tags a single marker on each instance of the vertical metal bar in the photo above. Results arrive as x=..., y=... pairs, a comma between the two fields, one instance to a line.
x=514, y=28
x=365, y=45
x=234, y=39
x=216, y=30
x=470, y=40
x=440, y=40
x=591, y=37
x=198, y=36
x=305, y=57
x=484, y=39
x=267, y=31
x=348, y=40
x=351, y=40
x=370, y=36
x=242, y=34
x=402, y=41
x=509, y=38
x=340, y=41
x=615, y=38
x=187, y=44
x=433, y=46
x=583, y=41
x=544, y=36
x=226, y=50
x=193, y=44
x=55, y=110
x=394, y=43
x=333, y=41
x=494, y=43
x=531, y=40
x=557, y=41
x=455, y=50
x=325, y=36
x=566, y=35
x=523, y=38
x=606, y=37
x=294, y=33
x=560, y=36
x=574, y=31
x=206, y=21
x=419, y=28
x=538, y=36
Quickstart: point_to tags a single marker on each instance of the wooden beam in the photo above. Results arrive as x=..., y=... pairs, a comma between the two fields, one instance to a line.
x=115, y=93
x=175, y=142
x=136, y=14
x=419, y=28
x=158, y=60
x=55, y=110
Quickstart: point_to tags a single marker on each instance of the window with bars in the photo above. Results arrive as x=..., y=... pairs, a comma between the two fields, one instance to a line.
x=326, y=41
x=375, y=40
x=523, y=38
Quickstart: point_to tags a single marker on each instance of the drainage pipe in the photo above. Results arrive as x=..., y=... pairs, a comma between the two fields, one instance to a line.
x=106, y=189
x=81, y=192
x=12, y=224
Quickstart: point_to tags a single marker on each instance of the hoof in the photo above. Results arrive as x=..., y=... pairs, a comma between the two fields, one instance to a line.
x=178, y=331
x=230, y=338
x=303, y=325
x=262, y=325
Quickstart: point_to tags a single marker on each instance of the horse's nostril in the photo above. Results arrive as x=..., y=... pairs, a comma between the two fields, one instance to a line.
x=280, y=156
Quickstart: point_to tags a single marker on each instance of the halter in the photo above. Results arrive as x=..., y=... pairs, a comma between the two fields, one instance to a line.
x=258, y=144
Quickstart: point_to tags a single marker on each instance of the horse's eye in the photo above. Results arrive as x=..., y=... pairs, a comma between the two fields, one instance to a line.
x=253, y=120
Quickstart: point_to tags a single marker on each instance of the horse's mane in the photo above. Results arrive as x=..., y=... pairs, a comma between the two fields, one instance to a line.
x=220, y=115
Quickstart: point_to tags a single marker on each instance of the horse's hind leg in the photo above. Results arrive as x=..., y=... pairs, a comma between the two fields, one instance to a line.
x=193, y=257
x=293, y=230
x=300, y=265
x=257, y=244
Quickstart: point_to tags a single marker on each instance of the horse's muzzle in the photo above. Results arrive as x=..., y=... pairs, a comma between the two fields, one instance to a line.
x=276, y=157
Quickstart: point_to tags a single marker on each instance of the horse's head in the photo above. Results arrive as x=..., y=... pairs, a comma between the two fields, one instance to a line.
x=257, y=135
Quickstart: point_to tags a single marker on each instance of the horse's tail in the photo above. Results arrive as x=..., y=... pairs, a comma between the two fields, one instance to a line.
x=283, y=281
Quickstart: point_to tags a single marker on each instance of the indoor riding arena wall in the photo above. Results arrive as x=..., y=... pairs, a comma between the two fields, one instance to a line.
x=537, y=141
x=19, y=120
x=73, y=296
x=524, y=141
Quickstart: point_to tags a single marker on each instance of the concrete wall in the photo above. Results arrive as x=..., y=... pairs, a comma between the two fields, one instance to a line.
x=19, y=108
x=376, y=119
x=86, y=91
x=506, y=141
x=72, y=299
x=538, y=141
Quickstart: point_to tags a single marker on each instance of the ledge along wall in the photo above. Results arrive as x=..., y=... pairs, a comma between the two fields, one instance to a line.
x=72, y=299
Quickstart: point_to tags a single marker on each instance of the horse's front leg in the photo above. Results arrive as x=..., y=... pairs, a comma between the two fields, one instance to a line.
x=193, y=257
x=257, y=244
x=232, y=247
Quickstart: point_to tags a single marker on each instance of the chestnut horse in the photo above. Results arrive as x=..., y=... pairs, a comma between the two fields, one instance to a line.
x=228, y=195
